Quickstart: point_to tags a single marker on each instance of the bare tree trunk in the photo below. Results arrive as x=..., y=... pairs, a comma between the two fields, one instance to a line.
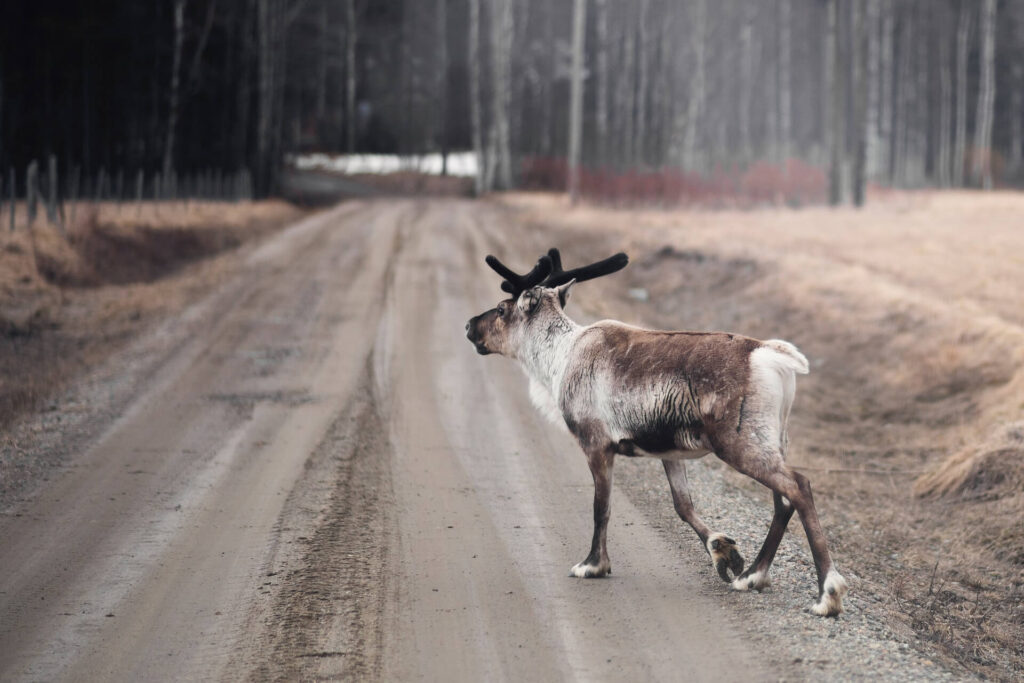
x=872, y=114
x=697, y=91
x=501, y=42
x=627, y=93
x=1016, y=157
x=264, y=123
x=601, y=119
x=172, y=114
x=963, y=30
x=579, y=34
x=945, y=153
x=885, y=105
x=474, y=94
x=643, y=64
x=861, y=80
x=746, y=80
x=351, y=38
x=324, y=58
x=920, y=121
x=442, y=82
x=837, y=89
x=785, y=82
x=547, y=80
x=906, y=96
x=982, y=166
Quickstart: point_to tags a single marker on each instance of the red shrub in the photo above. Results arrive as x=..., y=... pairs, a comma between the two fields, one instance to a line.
x=792, y=182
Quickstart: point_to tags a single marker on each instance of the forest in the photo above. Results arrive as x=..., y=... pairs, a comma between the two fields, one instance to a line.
x=781, y=94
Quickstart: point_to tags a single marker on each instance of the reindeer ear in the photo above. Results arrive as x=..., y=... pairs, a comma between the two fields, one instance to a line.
x=563, y=292
x=528, y=300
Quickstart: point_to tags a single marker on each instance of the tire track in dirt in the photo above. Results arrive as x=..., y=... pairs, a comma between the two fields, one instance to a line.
x=325, y=619
x=164, y=522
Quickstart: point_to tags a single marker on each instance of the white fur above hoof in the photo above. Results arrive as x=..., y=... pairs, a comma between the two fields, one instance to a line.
x=590, y=571
x=831, y=602
x=755, y=581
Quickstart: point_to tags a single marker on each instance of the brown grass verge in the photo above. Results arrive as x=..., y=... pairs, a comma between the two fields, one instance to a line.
x=71, y=296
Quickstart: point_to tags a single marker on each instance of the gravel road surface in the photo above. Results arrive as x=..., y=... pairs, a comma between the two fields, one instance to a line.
x=311, y=474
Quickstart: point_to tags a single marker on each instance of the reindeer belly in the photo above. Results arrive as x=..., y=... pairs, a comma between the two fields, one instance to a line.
x=664, y=423
x=683, y=445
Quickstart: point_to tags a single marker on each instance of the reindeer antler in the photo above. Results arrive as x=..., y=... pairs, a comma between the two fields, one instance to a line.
x=516, y=284
x=605, y=267
x=549, y=273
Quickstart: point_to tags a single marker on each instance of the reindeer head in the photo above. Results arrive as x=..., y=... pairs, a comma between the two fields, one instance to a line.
x=537, y=299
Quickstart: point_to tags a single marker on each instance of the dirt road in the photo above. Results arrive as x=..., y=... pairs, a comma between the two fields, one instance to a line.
x=316, y=476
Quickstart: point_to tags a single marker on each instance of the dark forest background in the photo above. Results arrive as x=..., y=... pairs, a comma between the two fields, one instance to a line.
x=905, y=93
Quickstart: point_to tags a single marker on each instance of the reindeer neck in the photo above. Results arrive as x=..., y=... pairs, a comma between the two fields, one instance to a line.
x=545, y=352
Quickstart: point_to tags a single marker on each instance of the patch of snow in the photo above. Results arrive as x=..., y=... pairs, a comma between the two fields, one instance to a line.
x=462, y=164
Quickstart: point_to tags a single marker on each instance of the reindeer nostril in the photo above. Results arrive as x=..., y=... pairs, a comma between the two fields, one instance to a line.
x=467, y=327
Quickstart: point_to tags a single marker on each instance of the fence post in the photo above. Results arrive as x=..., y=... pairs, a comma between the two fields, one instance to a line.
x=140, y=181
x=76, y=179
x=100, y=181
x=12, y=190
x=119, y=189
x=31, y=191
x=51, y=190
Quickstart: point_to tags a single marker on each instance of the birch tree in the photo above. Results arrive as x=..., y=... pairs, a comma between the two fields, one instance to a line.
x=441, y=81
x=837, y=105
x=960, y=143
x=351, y=39
x=982, y=157
x=501, y=86
x=746, y=79
x=784, y=80
x=579, y=29
x=696, y=94
x=601, y=117
x=473, y=57
x=172, y=113
x=861, y=86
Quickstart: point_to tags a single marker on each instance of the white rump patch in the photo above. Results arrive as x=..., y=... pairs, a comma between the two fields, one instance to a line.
x=773, y=370
x=831, y=603
x=791, y=356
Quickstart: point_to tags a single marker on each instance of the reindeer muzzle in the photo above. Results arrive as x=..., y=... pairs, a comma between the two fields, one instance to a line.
x=473, y=335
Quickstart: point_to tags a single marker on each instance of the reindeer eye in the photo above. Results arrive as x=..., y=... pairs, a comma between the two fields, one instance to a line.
x=501, y=310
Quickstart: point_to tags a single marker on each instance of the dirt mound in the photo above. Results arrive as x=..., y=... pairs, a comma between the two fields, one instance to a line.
x=25, y=296
x=112, y=254
x=991, y=471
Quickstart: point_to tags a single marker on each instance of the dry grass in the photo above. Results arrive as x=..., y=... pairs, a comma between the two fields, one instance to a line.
x=71, y=296
x=909, y=423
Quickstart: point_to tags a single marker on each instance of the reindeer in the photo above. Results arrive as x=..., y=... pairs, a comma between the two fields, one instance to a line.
x=676, y=396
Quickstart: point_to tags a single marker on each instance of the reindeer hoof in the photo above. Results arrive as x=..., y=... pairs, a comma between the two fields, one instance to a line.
x=751, y=581
x=583, y=570
x=725, y=556
x=831, y=602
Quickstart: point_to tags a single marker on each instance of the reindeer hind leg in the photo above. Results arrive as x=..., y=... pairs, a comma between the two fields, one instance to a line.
x=722, y=549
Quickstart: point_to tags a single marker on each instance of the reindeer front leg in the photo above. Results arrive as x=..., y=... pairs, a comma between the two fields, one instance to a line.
x=597, y=563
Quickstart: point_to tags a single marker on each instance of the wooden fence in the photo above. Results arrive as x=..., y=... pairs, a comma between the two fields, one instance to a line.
x=55, y=194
